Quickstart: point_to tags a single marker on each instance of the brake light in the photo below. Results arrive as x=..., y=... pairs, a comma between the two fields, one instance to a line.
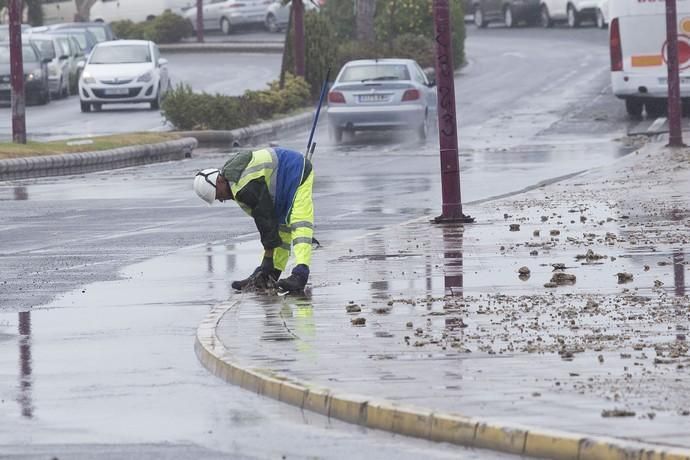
x=411, y=95
x=336, y=97
x=616, y=48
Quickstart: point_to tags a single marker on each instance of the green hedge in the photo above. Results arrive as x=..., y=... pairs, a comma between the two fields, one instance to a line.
x=398, y=26
x=166, y=28
x=186, y=110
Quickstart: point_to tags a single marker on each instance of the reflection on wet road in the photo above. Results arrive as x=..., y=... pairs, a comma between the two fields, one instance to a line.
x=82, y=369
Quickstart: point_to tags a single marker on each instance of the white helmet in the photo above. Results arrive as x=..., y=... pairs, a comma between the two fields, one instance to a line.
x=205, y=184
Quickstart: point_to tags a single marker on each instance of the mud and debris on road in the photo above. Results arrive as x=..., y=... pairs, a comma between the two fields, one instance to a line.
x=594, y=324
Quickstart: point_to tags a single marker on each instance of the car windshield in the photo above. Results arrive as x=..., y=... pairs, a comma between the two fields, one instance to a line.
x=28, y=54
x=375, y=72
x=121, y=54
x=46, y=47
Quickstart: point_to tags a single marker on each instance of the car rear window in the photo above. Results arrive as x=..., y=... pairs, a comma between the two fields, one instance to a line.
x=28, y=54
x=122, y=54
x=374, y=72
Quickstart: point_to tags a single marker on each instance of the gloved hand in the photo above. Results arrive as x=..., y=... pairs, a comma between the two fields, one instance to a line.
x=264, y=276
x=296, y=281
x=241, y=284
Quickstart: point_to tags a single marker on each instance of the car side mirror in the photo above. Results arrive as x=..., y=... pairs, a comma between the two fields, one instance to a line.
x=431, y=83
x=81, y=64
x=162, y=62
x=46, y=60
x=63, y=57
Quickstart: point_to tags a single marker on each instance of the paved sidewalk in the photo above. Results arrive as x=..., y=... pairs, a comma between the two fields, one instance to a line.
x=591, y=337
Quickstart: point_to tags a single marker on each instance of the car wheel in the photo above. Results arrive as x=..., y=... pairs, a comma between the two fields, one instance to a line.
x=546, y=21
x=44, y=97
x=573, y=19
x=656, y=108
x=336, y=134
x=271, y=23
x=601, y=23
x=479, y=20
x=225, y=26
x=64, y=93
x=156, y=104
x=508, y=17
x=85, y=107
x=423, y=130
x=634, y=107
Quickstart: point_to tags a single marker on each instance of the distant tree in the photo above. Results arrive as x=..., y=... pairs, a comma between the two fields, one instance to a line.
x=34, y=12
x=83, y=9
x=364, y=10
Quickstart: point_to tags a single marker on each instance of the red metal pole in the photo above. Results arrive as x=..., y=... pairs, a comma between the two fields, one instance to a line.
x=447, y=124
x=298, y=11
x=17, y=73
x=674, y=103
x=200, y=21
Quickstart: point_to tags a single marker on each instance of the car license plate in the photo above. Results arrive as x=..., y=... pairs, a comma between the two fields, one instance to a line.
x=372, y=98
x=683, y=80
x=116, y=91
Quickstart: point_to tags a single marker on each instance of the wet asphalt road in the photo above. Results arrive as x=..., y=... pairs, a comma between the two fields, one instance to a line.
x=533, y=106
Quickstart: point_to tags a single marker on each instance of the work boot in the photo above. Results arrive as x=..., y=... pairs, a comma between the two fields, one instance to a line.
x=296, y=281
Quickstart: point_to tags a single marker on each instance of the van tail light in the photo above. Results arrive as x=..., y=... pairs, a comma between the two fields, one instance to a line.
x=616, y=48
x=411, y=95
x=336, y=97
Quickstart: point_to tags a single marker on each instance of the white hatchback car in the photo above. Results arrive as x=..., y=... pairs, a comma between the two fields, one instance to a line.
x=123, y=71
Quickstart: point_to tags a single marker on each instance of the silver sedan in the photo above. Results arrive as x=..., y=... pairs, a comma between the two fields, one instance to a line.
x=381, y=94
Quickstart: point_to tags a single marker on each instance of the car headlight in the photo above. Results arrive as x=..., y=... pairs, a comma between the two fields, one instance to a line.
x=147, y=77
x=35, y=75
x=87, y=78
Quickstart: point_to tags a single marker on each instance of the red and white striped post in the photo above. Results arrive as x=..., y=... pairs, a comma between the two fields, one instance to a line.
x=447, y=123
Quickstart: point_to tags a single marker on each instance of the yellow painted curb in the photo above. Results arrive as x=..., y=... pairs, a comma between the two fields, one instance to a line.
x=416, y=422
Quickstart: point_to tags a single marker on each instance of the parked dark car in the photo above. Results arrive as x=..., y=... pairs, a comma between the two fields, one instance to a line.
x=510, y=12
x=36, y=88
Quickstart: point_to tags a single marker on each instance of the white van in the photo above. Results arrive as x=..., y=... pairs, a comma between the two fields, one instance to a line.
x=136, y=10
x=639, y=74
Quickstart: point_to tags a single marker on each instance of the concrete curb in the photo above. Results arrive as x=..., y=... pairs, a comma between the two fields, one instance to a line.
x=416, y=422
x=78, y=163
x=258, y=133
x=235, y=47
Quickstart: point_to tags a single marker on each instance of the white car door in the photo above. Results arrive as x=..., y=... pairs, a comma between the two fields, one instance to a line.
x=212, y=14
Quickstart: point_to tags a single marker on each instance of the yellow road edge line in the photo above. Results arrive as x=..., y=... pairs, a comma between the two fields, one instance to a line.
x=416, y=422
